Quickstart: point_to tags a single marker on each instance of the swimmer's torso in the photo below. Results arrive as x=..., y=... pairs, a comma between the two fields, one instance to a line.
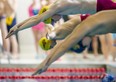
x=109, y=24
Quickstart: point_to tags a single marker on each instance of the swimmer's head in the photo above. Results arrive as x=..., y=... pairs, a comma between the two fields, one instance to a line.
x=44, y=9
x=46, y=44
x=54, y=18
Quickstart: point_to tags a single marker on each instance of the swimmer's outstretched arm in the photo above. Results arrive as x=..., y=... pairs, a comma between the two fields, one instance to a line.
x=100, y=23
x=34, y=20
x=61, y=7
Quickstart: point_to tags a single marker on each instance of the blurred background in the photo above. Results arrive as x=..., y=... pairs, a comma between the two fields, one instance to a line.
x=25, y=44
x=22, y=50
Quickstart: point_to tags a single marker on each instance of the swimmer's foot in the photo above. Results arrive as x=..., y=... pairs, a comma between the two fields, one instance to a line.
x=85, y=57
x=96, y=55
x=6, y=55
x=15, y=56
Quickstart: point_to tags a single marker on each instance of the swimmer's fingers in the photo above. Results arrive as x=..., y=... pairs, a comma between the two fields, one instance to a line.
x=40, y=69
x=12, y=31
x=37, y=72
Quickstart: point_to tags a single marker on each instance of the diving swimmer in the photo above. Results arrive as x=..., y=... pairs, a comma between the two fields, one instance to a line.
x=65, y=7
x=100, y=23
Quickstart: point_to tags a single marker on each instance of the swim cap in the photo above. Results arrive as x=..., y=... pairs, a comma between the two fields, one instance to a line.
x=45, y=43
x=45, y=8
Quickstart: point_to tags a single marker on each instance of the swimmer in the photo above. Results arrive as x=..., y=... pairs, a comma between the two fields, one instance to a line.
x=102, y=22
x=62, y=31
x=65, y=7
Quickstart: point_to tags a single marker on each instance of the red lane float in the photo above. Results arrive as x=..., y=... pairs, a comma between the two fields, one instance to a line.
x=54, y=70
x=51, y=77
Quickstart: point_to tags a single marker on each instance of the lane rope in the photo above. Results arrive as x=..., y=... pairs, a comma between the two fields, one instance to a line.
x=52, y=77
x=102, y=70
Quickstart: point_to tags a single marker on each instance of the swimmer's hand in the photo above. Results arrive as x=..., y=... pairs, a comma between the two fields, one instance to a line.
x=40, y=69
x=12, y=31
